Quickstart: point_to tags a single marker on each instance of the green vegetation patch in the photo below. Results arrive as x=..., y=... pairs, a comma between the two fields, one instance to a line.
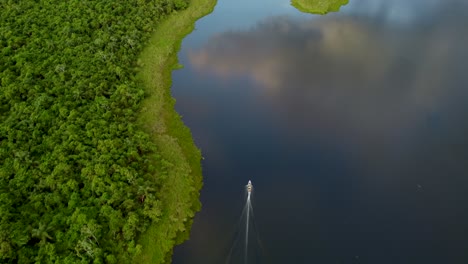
x=318, y=6
x=80, y=178
x=180, y=193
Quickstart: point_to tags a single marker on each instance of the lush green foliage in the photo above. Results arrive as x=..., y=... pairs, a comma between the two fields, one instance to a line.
x=79, y=180
x=318, y=6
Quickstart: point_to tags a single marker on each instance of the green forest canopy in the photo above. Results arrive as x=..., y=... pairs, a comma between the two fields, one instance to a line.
x=77, y=175
x=318, y=6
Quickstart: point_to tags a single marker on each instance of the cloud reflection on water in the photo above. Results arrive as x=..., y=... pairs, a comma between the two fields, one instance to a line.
x=390, y=91
x=345, y=73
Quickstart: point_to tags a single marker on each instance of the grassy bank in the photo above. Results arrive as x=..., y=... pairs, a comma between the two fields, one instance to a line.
x=181, y=184
x=318, y=6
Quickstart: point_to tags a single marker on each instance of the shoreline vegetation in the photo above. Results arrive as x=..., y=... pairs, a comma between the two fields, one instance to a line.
x=184, y=181
x=95, y=164
x=320, y=7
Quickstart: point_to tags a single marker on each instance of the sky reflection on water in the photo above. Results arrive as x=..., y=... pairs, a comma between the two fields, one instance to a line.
x=361, y=115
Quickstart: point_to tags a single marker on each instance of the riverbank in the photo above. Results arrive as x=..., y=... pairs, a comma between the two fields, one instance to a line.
x=179, y=193
x=80, y=180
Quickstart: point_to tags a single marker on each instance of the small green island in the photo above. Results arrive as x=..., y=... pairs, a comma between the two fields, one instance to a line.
x=318, y=6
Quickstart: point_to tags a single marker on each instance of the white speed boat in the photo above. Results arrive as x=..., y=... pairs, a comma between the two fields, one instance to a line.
x=249, y=186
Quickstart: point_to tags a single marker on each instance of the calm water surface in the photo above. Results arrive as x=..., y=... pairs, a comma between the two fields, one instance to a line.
x=353, y=128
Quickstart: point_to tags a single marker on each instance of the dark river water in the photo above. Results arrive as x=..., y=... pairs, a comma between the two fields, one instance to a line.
x=353, y=128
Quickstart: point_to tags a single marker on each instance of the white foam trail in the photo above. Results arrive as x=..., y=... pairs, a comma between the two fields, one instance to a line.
x=247, y=230
x=237, y=237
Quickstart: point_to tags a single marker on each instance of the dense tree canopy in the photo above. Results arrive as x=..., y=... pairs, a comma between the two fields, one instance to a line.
x=78, y=178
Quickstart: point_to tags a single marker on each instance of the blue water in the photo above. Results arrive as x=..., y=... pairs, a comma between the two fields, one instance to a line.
x=353, y=128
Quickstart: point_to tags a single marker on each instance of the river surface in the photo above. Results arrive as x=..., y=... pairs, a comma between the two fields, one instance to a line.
x=352, y=126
